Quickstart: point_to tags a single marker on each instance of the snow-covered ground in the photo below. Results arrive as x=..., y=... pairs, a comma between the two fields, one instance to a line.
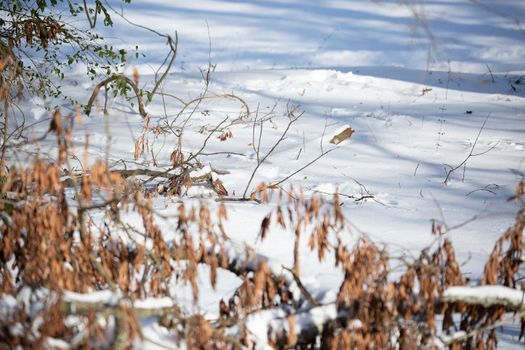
x=417, y=94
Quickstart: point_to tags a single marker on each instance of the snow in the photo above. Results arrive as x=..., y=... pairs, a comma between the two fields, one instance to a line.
x=149, y=303
x=416, y=106
x=7, y=304
x=57, y=343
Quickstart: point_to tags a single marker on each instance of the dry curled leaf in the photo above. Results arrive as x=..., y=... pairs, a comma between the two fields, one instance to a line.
x=343, y=135
x=225, y=135
x=136, y=76
x=218, y=187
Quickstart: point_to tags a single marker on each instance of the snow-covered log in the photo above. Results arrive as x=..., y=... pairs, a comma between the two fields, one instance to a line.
x=77, y=303
x=512, y=299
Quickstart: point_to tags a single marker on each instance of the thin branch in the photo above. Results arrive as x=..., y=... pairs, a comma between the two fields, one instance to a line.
x=193, y=156
x=461, y=335
x=349, y=196
x=223, y=152
x=253, y=132
x=173, y=46
x=237, y=199
x=201, y=98
x=303, y=289
x=480, y=189
x=116, y=77
x=92, y=22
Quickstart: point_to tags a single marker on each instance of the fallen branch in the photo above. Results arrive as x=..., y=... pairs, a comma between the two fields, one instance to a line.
x=237, y=199
x=106, y=300
x=137, y=172
x=165, y=173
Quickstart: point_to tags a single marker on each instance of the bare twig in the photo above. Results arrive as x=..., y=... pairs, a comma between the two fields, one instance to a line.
x=322, y=135
x=365, y=190
x=302, y=168
x=237, y=199
x=173, y=46
x=480, y=189
x=293, y=119
x=172, y=55
x=201, y=98
x=193, y=156
x=490, y=71
x=223, y=152
x=471, y=153
x=256, y=149
x=349, y=196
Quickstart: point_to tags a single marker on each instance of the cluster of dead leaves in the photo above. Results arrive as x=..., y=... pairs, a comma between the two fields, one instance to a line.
x=45, y=29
